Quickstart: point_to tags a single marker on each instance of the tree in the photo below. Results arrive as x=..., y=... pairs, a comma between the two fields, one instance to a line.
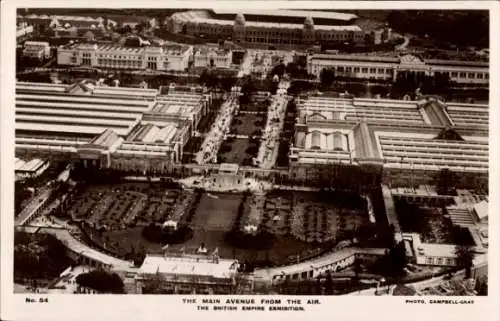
x=248, y=87
x=292, y=69
x=327, y=76
x=278, y=70
x=154, y=284
x=358, y=268
x=442, y=82
x=125, y=29
x=398, y=258
x=465, y=258
x=482, y=286
x=39, y=256
x=446, y=181
x=139, y=257
x=329, y=283
x=209, y=79
x=101, y=281
x=318, y=286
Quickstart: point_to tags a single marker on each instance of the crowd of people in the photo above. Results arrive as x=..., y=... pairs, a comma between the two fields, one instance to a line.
x=218, y=131
x=275, y=121
x=253, y=212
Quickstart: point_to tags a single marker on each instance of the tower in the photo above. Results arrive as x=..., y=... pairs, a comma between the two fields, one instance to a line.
x=239, y=28
x=308, y=31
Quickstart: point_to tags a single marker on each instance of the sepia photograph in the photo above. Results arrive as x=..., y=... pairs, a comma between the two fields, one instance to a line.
x=243, y=152
x=232, y=151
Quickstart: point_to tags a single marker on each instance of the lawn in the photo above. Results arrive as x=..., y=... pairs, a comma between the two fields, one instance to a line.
x=215, y=215
x=260, y=106
x=216, y=212
x=248, y=124
x=235, y=151
x=122, y=242
x=120, y=205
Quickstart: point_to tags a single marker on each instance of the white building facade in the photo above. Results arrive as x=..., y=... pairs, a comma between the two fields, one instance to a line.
x=387, y=68
x=23, y=29
x=166, y=58
x=36, y=50
x=213, y=57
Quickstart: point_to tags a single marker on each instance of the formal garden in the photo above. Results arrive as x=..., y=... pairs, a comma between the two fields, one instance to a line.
x=238, y=150
x=248, y=124
x=129, y=219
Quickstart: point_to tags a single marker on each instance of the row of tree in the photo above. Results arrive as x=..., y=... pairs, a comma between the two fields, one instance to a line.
x=461, y=27
x=102, y=281
x=408, y=82
x=39, y=256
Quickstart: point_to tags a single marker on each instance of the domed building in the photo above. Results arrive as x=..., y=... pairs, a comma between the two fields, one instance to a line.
x=308, y=23
x=308, y=31
x=239, y=20
x=273, y=29
x=239, y=28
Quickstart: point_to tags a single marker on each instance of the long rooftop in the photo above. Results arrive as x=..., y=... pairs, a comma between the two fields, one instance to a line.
x=183, y=16
x=396, y=60
x=77, y=114
x=153, y=264
x=290, y=13
x=168, y=49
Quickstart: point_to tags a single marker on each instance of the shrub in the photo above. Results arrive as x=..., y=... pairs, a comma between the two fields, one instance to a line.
x=101, y=281
x=252, y=149
x=156, y=234
x=263, y=240
x=225, y=149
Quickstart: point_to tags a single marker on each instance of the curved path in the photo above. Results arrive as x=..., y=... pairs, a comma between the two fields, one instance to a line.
x=313, y=267
x=80, y=248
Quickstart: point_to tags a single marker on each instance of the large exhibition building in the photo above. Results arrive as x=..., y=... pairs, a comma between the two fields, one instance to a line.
x=281, y=29
x=387, y=68
x=133, y=129
x=168, y=57
x=106, y=127
x=410, y=140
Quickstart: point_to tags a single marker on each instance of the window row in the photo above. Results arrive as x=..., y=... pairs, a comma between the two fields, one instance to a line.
x=119, y=57
x=440, y=261
x=276, y=41
x=338, y=35
x=119, y=62
x=363, y=70
x=469, y=75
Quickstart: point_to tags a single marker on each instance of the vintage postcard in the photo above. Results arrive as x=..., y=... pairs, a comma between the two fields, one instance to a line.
x=281, y=160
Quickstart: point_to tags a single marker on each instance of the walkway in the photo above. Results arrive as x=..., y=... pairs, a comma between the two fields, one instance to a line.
x=220, y=128
x=78, y=247
x=269, y=147
x=33, y=207
x=316, y=264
